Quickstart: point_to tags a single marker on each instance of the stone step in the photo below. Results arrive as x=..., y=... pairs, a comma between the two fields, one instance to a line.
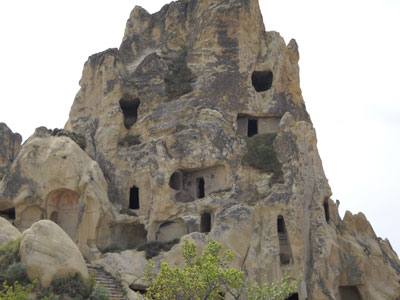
x=107, y=281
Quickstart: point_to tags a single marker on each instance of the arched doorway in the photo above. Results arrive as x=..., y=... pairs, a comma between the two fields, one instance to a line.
x=62, y=208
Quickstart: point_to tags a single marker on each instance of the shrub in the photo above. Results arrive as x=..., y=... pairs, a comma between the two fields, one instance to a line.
x=9, y=255
x=153, y=248
x=279, y=290
x=16, y=291
x=72, y=285
x=179, y=78
x=261, y=155
x=99, y=293
x=209, y=276
x=79, y=139
x=17, y=272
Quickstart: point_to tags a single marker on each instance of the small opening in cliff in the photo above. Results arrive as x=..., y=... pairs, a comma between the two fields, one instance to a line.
x=200, y=187
x=175, y=181
x=294, y=296
x=8, y=214
x=349, y=293
x=284, y=246
x=252, y=127
x=326, y=209
x=129, y=109
x=54, y=217
x=205, y=222
x=262, y=80
x=134, y=198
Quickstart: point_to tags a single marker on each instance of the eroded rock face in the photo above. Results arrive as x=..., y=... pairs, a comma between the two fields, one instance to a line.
x=7, y=232
x=49, y=253
x=53, y=178
x=167, y=115
x=167, y=119
x=10, y=144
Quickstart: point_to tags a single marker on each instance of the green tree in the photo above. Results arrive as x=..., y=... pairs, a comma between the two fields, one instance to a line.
x=209, y=276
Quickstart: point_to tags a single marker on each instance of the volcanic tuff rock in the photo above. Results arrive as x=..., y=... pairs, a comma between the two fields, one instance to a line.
x=196, y=127
x=49, y=253
x=9, y=146
x=7, y=232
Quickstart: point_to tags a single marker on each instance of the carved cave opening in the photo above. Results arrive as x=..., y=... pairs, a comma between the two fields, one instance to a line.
x=284, y=246
x=326, y=209
x=127, y=236
x=62, y=208
x=134, y=198
x=130, y=111
x=252, y=127
x=200, y=187
x=192, y=184
x=205, y=222
x=349, y=293
x=54, y=217
x=175, y=181
x=248, y=125
x=8, y=214
x=294, y=296
x=262, y=80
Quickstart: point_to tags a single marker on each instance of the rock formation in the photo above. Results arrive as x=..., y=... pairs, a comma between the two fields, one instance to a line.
x=48, y=253
x=7, y=232
x=10, y=143
x=196, y=127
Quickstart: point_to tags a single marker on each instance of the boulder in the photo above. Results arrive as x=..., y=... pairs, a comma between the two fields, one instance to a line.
x=128, y=265
x=49, y=253
x=7, y=232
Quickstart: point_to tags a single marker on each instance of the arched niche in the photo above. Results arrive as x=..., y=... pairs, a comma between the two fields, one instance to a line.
x=262, y=80
x=127, y=236
x=349, y=293
x=62, y=206
x=170, y=230
x=129, y=109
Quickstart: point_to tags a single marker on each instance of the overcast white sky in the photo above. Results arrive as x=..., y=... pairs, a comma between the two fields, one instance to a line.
x=349, y=70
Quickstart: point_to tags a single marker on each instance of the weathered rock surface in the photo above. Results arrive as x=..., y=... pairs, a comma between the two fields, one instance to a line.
x=128, y=265
x=53, y=178
x=167, y=120
x=7, y=232
x=9, y=146
x=49, y=253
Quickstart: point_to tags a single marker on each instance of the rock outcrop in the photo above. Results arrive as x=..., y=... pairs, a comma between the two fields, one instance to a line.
x=10, y=144
x=53, y=178
x=196, y=127
x=49, y=253
x=7, y=232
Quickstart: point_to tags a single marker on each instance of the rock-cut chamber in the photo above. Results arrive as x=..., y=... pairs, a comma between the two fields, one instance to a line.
x=62, y=208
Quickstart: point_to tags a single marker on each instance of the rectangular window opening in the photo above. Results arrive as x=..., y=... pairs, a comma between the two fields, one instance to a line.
x=134, y=198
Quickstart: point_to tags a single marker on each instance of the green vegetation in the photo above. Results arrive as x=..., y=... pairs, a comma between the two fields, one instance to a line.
x=261, y=155
x=130, y=140
x=79, y=139
x=16, y=291
x=179, y=78
x=11, y=268
x=153, y=248
x=15, y=284
x=209, y=276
